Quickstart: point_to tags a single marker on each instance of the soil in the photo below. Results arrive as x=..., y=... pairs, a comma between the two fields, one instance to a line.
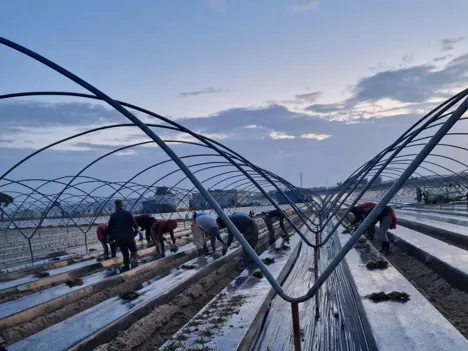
x=153, y=330
x=452, y=303
x=15, y=296
x=165, y=320
x=21, y=331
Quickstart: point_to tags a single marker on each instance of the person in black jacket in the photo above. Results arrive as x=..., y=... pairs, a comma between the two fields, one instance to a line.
x=269, y=217
x=122, y=229
x=247, y=227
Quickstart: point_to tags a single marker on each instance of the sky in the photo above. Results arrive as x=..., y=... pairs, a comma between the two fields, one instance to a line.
x=311, y=86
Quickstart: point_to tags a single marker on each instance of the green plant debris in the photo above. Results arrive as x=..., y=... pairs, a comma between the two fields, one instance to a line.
x=193, y=324
x=379, y=264
x=258, y=273
x=173, y=346
x=130, y=295
x=174, y=249
x=395, y=296
x=74, y=282
x=201, y=341
x=188, y=266
x=268, y=260
x=181, y=337
x=42, y=274
x=237, y=299
x=218, y=320
x=362, y=240
x=207, y=333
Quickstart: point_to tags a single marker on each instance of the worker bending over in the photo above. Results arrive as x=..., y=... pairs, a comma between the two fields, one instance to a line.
x=387, y=220
x=122, y=229
x=206, y=225
x=101, y=232
x=158, y=229
x=145, y=222
x=247, y=227
x=271, y=216
x=199, y=237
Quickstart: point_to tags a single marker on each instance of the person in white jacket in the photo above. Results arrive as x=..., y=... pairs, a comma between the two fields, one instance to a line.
x=205, y=225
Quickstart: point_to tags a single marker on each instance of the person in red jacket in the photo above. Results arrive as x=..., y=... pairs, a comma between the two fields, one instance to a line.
x=101, y=232
x=158, y=229
x=145, y=222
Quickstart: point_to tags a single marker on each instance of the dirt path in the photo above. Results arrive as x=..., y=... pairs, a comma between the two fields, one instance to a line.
x=452, y=303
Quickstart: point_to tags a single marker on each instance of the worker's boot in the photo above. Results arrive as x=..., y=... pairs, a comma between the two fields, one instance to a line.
x=385, y=248
x=124, y=268
x=134, y=261
x=225, y=248
x=205, y=250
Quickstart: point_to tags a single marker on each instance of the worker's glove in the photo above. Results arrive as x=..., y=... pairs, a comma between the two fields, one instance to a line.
x=140, y=235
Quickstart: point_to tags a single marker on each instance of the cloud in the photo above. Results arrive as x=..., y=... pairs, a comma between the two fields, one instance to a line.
x=125, y=153
x=404, y=90
x=303, y=5
x=318, y=137
x=401, y=94
x=209, y=90
x=252, y=126
x=280, y=135
x=448, y=44
x=442, y=58
x=269, y=126
x=34, y=113
x=309, y=97
x=412, y=84
x=325, y=108
x=5, y=141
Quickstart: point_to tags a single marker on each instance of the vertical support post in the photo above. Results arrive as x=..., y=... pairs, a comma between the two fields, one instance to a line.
x=31, y=250
x=86, y=241
x=296, y=326
x=316, y=275
x=318, y=240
